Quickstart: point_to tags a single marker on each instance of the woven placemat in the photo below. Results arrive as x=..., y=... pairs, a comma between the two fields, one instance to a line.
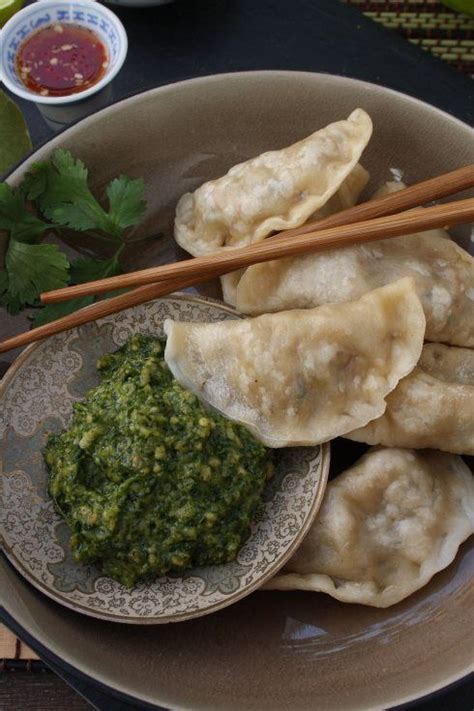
x=12, y=648
x=429, y=24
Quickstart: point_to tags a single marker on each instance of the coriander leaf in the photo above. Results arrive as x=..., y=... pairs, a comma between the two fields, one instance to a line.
x=15, y=218
x=53, y=311
x=33, y=268
x=59, y=180
x=81, y=215
x=60, y=190
x=34, y=182
x=89, y=269
x=82, y=269
x=14, y=137
x=126, y=200
x=11, y=303
x=62, y=193
x=3, y=282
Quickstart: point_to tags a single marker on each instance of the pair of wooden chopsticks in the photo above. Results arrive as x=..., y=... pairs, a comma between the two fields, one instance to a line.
x=370, y=221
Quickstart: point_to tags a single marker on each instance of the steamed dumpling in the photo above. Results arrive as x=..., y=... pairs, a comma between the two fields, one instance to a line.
x=346, y=196
x=302, y=377
x=386, y=526
x=442, y=271
x=275, y=191
x=431, y=407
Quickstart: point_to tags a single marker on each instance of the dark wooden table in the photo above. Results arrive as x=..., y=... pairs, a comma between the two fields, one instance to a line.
x=199, y=37
x=38, y=691
x=43, y=690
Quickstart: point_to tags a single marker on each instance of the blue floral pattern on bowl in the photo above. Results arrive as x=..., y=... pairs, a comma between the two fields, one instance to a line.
x=91, y=15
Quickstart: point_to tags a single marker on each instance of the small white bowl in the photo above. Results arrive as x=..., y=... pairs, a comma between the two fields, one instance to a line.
x=85, y=13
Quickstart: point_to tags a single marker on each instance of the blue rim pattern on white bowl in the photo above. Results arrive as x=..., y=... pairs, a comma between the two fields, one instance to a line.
x=86, y=13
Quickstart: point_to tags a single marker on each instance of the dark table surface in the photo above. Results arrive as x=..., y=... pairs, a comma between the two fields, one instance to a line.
x=190, y=38
x=197, y=37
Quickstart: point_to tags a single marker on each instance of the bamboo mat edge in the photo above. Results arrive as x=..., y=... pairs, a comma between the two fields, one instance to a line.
x=13, y=648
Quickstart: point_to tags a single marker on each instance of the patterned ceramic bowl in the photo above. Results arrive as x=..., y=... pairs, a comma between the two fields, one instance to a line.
x=37, y=397
x=86, y=13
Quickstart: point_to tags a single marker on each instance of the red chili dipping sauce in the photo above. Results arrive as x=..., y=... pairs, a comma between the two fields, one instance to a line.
x=61, y=59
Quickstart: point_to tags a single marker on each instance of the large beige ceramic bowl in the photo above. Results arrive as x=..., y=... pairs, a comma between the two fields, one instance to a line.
x=272, y=650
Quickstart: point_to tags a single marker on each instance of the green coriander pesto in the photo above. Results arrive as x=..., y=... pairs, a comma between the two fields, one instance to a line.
x=147, y=479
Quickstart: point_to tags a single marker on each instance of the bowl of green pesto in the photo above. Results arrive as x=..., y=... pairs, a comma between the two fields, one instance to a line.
x=137, y=503
x=148, y=481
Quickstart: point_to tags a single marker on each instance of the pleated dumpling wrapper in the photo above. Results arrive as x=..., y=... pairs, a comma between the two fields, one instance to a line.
x=346, y=196
x=274, y=191
x=385, y=527
x=255, y=285
x=302, y=377
x=432, y=407
x=443, y=274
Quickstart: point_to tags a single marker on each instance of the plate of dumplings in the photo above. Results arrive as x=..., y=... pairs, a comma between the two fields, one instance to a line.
x=366, y=349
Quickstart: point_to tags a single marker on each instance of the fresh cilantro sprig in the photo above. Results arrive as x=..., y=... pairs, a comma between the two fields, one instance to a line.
x=16, y=219
x=89, y=269
x=60, y=193
x=31, y=269
x=81, y=270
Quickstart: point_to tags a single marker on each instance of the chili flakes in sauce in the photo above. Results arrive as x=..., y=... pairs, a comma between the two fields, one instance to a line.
x=61, y=59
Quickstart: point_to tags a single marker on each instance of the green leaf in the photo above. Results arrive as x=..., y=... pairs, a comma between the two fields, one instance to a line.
x=31, y=269
x=16, y=219
x=89, y=269
x=59, y=180
x=127, y=204
x=14, y=137
x=80, y=215
x=61, y=191
x=34, y=182
x=3, y=282
x=53, y=311
x=12, y=304
x=82, y=269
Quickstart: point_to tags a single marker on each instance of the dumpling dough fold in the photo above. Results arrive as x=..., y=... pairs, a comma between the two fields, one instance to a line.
x=432, y=407
x=274, y=191
x=443, y=274
x=346, y=196
x=302, y=377
x=386, y=526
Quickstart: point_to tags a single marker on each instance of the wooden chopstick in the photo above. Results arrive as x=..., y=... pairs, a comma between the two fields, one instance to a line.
x=432, y=189
x=222, y=262
x=395, y=225
x=413, y=196
x=94, y=312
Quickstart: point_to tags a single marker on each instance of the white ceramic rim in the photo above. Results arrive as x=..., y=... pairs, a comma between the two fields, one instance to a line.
x=71, y=98
x=47, y=641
